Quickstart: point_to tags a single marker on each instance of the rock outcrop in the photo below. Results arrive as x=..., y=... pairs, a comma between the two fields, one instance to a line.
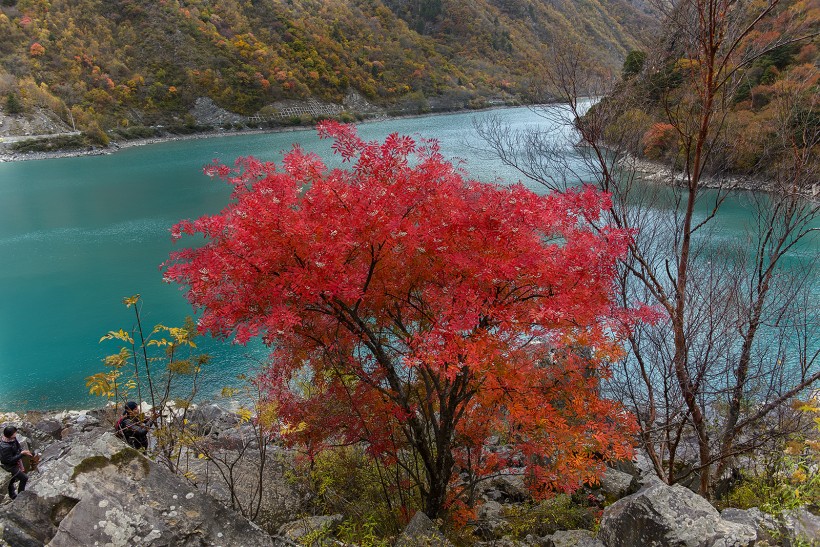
x=764, y=524
x=91, y=489
x=95, y=490
x=670, y=516
x=616, y=484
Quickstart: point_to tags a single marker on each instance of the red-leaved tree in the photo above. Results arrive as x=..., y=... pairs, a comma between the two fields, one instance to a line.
x=420, y=313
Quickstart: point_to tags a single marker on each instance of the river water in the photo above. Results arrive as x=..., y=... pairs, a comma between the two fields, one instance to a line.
x=79, y=234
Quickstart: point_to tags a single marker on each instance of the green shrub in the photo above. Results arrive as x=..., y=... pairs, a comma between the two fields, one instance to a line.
x=790, y=478
x=345, y=480
x=549, y=516
x=633, y=64
x=362, y=533
x=13, y=104
x=96, y=135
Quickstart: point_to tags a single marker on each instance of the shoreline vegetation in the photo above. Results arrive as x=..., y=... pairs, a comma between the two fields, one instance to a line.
x=9, y=154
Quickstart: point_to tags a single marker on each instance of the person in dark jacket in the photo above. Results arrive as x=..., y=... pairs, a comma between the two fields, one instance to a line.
x=11, y=459
x=133, y=428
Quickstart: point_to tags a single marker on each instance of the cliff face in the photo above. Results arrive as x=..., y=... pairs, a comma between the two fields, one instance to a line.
x=122, y=63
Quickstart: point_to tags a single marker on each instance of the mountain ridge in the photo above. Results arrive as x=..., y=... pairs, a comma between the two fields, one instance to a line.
x=124, y=63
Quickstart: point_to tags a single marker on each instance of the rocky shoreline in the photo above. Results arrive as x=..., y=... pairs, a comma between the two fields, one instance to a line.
x=207, y=113
x=661, y=173
x=115, y=146
x=7, y=155
x=91, y=488
x=651, y=171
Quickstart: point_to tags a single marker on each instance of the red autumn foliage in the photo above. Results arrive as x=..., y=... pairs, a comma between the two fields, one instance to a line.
x=419, y=312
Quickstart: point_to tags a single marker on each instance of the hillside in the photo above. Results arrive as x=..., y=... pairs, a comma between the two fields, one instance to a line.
x=765, y=111
x=124, y=63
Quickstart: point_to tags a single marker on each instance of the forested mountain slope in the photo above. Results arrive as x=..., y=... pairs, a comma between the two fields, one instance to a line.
x=764, y=108
x=138, y=62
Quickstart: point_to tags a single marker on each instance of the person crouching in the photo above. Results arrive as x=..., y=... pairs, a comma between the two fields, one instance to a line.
x=132, y=427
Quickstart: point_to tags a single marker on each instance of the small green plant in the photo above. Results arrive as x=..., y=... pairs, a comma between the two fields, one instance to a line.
x=315, y=537
x=362, y=533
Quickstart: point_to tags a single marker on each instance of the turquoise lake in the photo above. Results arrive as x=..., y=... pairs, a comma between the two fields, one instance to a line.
x=79, y=234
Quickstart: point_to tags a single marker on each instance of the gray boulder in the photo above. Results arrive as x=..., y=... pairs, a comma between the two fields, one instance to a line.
x=212, y=419
x=32, y=521
x=645, y=471
x=236, y=437
x=51, y=427
x=95, y=490
x=83, y=421
x=421, y=532
x=491, y=523
x=764, y=524
x=670, y=516
x=617, y=484
x=511, y=486
x=800, y=527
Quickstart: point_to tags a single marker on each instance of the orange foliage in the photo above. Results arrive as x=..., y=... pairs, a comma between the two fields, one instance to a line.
x=658, y=139
x=36, y=50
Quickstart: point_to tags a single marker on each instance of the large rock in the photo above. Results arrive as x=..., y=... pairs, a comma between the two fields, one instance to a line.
x=617, y=484
x=670, y=516
x=491, y=523
x=212, y=419
x=510, y=485
x=32, y=521
x=764, y=524
x=644, y=470
x=421, y=532
x=96, y=490
x=800, y=527
x=51, y=427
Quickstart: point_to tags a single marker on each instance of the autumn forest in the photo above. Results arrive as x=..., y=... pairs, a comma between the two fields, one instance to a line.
x=485, y=355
